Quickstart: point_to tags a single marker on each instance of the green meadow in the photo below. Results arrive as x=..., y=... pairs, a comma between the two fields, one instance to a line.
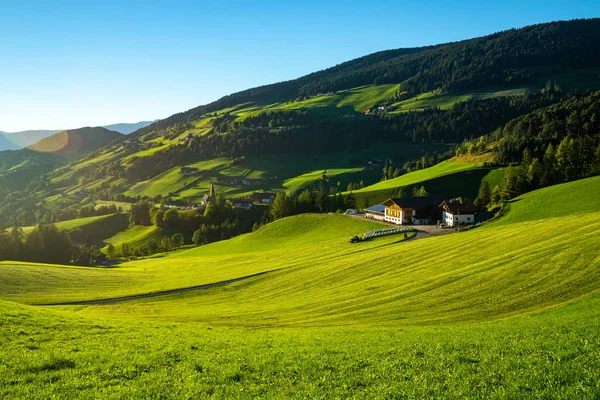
x=506, y=310
x=92, y=230
x=448, y=179
x=278, y=172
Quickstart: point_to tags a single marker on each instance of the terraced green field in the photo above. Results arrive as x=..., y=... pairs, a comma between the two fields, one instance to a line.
x=278, y=172
x=506, y=310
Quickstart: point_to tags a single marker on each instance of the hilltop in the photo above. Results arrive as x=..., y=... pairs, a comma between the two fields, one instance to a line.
x=75, y=142
x=22, y=139
x=19, y=167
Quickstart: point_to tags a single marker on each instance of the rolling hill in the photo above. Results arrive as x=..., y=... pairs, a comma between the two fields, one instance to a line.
x=372, y=317
x=75, y=142
x=19, y=140
x=18, y=168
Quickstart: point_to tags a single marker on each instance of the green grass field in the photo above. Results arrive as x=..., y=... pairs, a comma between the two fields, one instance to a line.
x=289, y=172
x=506, y=310
x=91, y=230
x=447, y=179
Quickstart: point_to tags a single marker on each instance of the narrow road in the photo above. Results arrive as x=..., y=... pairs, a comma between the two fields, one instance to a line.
x=154, y=294
x=423, y=231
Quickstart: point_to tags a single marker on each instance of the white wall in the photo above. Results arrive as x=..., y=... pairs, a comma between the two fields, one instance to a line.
x=455, y=220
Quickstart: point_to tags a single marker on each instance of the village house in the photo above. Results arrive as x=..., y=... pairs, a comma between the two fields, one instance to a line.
x=458, y=212
x=376, y=212
x=246, y=204
x=189, y=170
x=374, y=162
x=262, y=198
x=411, y=210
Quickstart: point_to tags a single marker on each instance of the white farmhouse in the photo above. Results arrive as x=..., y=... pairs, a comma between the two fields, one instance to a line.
x=458, y=212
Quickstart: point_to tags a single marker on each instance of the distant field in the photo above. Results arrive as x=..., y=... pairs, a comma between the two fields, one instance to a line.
x=91, y=230
x=447, y=179
x=71, y=224
x=446, y=101
x=126, y=207
x=288, y=172
x=443, y=168
x=343, y=102
x=133, y=235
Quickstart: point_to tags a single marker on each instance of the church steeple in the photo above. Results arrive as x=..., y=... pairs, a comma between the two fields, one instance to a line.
x=211, y=194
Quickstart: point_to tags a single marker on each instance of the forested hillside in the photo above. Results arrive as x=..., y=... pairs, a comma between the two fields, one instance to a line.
x=509, y=58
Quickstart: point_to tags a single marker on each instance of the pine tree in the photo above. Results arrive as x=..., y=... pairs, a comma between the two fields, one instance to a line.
x=534, y=173
x=110, y=251
x=508, y=185
x=280, y=207
x=484, y=196
x=420, y=192
x=548, y=167
x=596, y=162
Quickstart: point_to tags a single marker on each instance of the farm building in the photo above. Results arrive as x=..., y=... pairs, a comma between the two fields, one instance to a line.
x=458, y=212
x=189, y=170
x=411, y=210
x=262, y=198
x=246, y=204
x=375, y=212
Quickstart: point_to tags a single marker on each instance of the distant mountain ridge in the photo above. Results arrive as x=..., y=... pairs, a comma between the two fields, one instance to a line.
x=75, y=141
x=22, y=139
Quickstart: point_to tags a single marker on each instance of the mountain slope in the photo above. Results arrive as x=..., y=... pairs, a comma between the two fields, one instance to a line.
x=75, y=142
x=18, y=168
x=508, y=58
x=19, y=140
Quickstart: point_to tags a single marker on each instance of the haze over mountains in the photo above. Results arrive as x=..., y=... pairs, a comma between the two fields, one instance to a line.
x=22, y=139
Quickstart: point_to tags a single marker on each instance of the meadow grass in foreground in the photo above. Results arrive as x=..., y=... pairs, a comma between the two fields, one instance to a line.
x=553, y=354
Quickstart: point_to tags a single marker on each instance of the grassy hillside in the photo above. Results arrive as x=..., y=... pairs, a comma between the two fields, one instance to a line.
x=552, y=354
x=92, y=230
x=277, y=172
x=76, y=141
x=447, y=179
x=504, y=269
x=506, y=310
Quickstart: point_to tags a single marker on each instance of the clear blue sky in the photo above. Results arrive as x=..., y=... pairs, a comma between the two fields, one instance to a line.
x=66, y=64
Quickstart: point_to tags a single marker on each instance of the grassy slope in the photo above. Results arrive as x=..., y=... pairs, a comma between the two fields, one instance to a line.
x=293, y=172
x=212, y=263
x=443, y=168
x=553, y=354
x=502, y=270
x=526, y=265
x=91, y=230
x=447, y=179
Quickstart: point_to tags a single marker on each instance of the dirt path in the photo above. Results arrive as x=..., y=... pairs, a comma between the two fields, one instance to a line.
x=154, y=294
